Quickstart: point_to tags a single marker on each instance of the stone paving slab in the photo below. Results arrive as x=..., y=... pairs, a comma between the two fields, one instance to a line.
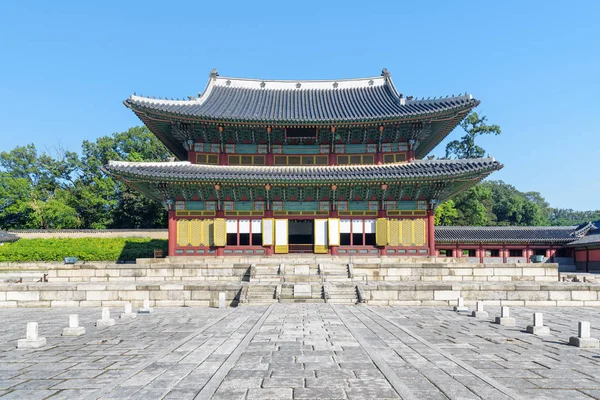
x=300, y=351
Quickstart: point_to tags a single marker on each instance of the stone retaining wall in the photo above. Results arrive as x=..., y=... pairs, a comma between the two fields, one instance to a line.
x=458, y=272
x=497, y=294
x=181, y=294
x=224, y=270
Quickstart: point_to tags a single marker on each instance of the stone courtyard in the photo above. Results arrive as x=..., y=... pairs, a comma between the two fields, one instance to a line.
x=299, y=351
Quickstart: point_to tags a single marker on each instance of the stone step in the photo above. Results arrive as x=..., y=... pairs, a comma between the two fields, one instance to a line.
x=302, y=300
x=261, y=295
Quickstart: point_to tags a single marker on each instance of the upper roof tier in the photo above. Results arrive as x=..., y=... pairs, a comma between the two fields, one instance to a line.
x=301, y=102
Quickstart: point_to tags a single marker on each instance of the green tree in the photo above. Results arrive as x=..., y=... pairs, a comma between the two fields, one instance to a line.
x=474, y=207
x=56, y=213
x=104, y=202
x=446, y=214
x=465, y=147
x=16, y=210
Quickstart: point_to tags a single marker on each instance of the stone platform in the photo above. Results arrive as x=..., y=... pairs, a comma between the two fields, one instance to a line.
x=300, y=351
x=183, y=281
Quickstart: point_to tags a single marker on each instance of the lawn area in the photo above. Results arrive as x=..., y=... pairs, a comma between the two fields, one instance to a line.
x=85, y=249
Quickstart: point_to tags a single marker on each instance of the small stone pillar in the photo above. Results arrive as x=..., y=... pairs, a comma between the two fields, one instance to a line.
x=146, y=308
x=32, y=339
x=106, y=319
x=74, y=329
x=504, y=318
x=584, y=338
x=479, y=313
x=222, y=300
x=538, y=327
x=460, y=305
x=128, y=313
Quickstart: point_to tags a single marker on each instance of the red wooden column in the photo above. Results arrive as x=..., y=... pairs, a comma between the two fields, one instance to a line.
x=333, y=249
x=430, y=233
x=269, y=251
x=172, y=229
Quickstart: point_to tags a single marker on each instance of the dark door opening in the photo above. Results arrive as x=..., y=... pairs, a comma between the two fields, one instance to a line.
x=301, y=235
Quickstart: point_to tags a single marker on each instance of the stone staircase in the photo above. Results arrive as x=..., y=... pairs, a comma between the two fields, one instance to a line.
x=342, y=293
x=335, y=272
x=301, y=293
x=260, y=294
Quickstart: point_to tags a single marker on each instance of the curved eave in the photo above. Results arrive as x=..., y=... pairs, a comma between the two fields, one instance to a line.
x=193, y=174
x=151, y=112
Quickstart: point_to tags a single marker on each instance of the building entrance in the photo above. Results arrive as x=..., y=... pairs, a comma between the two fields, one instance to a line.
x=301, y=235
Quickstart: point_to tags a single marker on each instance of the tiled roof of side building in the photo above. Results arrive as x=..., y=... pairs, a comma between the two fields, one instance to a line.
x=7, y=237
x=417, y=170
x=505, y=234
x=591, y=238
x=303, y=101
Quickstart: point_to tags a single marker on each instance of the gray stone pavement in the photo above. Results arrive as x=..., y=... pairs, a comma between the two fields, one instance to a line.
x=299, y=351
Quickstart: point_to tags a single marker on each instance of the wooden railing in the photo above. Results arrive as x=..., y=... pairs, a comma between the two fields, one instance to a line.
x=301, y=248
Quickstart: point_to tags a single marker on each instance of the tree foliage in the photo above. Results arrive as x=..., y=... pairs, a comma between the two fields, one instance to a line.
x=495, y=203
x=465, y=147
x=67, y=190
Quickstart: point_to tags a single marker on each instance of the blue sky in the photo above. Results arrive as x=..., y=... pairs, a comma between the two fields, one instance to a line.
x=68, y=65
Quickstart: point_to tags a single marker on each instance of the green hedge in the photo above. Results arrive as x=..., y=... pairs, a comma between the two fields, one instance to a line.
x=85, y=249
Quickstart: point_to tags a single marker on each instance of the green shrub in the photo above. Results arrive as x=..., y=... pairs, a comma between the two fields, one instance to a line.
x=85, y=249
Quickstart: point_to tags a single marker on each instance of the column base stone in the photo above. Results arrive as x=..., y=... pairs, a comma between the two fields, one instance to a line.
x=80, y=330
x=480, y=314
x=31, y=343
x=505, y=321
x=538, y=330
x=584, y=343
x=103, y=323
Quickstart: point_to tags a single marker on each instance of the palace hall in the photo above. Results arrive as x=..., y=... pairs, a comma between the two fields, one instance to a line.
x=335, y=167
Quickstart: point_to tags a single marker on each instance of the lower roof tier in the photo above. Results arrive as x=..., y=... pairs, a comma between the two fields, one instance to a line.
x=418, y=180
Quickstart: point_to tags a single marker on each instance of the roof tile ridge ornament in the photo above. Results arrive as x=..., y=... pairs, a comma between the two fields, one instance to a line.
x=387, y=76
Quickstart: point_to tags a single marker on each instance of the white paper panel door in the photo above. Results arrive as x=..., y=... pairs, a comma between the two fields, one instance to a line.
x=281, y=232
x=334, y=232
x=345, y=226
x=267, y=232
x=256, y=226
x=320, y=232
x=232, y=226
x=357, y=226
x=369, y=226
x=244, y=226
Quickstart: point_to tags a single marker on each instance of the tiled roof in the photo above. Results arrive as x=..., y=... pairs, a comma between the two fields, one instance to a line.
x=505, y=234
x=346, y=100
x=414, y=171
x=7, y=237
x=592, y=237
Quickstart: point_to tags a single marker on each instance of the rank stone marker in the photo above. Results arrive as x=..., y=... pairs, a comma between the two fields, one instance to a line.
x=32, y=339
x=538, y=327
x=460, y=305
x=584, y=338
x=106, y=319
x=479, y=313
x=74, y=329
x=222, y=300
x=128, y=313
x=504, y=318
x=146, y=308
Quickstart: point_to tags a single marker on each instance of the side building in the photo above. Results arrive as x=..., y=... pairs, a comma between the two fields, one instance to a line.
x=274, y=167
